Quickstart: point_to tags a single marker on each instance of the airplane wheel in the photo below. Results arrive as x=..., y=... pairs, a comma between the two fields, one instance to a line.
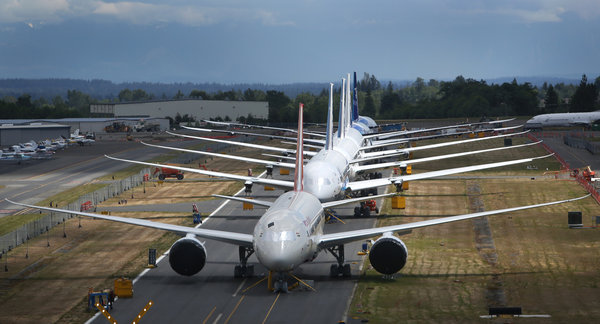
x=237, y=272
x=346, y=271
x=249, y=271
x=161, y=177
x=180, y=177
x=366, y=212
x=334, y=270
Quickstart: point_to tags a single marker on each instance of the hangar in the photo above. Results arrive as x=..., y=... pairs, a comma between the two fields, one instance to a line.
x=197, y=108
x=11, y=134
x=14, y=131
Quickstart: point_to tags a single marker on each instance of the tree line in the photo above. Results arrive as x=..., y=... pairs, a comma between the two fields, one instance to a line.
x=419, y=99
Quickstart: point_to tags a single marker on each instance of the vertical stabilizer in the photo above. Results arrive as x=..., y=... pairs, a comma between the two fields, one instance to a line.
x=341, y=121
x=355, y=100
x=329, y=135
x=348, y=104
x=299, y=173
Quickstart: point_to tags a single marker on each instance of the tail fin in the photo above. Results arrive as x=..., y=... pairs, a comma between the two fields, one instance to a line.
x=329, y=136
x=341, y=121
x=348, y=104
x=355, y=100
x=299, y=173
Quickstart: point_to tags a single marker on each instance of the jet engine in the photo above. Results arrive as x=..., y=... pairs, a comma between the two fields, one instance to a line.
x=187, y=256
x=388, y=254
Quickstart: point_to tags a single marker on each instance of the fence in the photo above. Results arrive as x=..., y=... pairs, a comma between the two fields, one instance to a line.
x=565, y=166
x=48, y=221
x=582, y=143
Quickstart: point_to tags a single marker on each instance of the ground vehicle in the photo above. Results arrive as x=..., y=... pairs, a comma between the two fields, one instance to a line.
x=164, y=173
x=365, y=209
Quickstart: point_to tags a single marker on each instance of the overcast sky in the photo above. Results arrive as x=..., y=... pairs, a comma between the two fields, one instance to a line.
x=274, y=41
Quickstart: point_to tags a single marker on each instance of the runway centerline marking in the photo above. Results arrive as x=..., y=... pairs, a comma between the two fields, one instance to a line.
x=239, y=287
x=218, y=318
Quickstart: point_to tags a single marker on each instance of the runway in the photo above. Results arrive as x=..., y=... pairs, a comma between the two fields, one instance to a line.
x=215, y=296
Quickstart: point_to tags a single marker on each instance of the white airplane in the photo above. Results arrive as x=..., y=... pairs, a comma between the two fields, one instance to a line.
x=75, y=137
x=332, y=172
x=585, y=119
x=290, y=233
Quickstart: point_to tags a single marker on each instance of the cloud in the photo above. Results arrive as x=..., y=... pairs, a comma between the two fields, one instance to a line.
x=533, y=11
x=13, y=11
x=133, y=12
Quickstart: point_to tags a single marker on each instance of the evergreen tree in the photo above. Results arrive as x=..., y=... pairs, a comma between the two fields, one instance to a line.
x=551, y=100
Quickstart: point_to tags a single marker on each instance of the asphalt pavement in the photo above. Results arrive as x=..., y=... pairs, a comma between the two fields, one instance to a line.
x=215, y=296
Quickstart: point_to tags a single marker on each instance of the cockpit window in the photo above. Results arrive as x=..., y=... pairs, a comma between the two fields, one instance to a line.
x=271, y=224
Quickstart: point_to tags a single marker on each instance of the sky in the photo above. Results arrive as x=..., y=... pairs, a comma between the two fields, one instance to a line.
x=274, y=41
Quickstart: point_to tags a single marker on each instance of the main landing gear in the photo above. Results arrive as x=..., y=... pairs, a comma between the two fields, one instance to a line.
x=243, y=270
x=339, y=269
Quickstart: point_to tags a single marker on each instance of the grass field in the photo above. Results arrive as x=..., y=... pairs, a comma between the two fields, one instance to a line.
x=535, y=262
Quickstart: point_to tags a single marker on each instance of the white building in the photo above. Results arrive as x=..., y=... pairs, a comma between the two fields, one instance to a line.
x=197, y=108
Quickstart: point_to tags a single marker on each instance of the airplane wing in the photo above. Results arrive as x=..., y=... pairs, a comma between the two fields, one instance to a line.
x=362, y=168
x=223, y=236
x=438, y=145
x=247, y=200
x=263, y=127
x=336, y=203
x=227, y=156
x=329, y=204
x=332, y=239
x=231, y=132
x=373, y=183
x=401, y=133
x=270, y=182
x=387, y=142
x=250, y=145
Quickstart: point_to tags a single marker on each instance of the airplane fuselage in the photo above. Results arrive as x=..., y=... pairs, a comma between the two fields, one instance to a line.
x=327, y=172
x=287, y=234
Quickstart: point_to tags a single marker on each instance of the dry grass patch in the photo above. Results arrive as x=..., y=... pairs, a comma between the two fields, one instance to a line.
x=542, y=265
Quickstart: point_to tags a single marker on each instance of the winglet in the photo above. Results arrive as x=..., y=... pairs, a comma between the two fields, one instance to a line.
x=329, y=136
x=355, y=100
x=299, y=173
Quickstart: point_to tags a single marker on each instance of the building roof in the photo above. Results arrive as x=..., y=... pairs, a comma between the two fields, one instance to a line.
x=70, y=120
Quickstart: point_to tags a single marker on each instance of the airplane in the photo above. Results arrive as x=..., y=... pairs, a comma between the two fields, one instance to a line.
x=290, y=233
x=17, y=157
x=585, y=119
x=332, y=172
x=75, y=137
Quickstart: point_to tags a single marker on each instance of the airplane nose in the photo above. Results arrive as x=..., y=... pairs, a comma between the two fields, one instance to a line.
x=277, y=256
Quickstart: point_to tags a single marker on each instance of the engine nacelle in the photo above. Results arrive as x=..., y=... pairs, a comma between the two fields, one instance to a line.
x=388, y=254
x=187, y=256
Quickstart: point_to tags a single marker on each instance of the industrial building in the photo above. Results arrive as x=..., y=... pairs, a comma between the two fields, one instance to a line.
x=11, y=134
x=14, y=131
x=197, y=108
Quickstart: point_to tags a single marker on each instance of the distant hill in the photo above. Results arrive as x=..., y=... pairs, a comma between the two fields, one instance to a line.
x=102, y=89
